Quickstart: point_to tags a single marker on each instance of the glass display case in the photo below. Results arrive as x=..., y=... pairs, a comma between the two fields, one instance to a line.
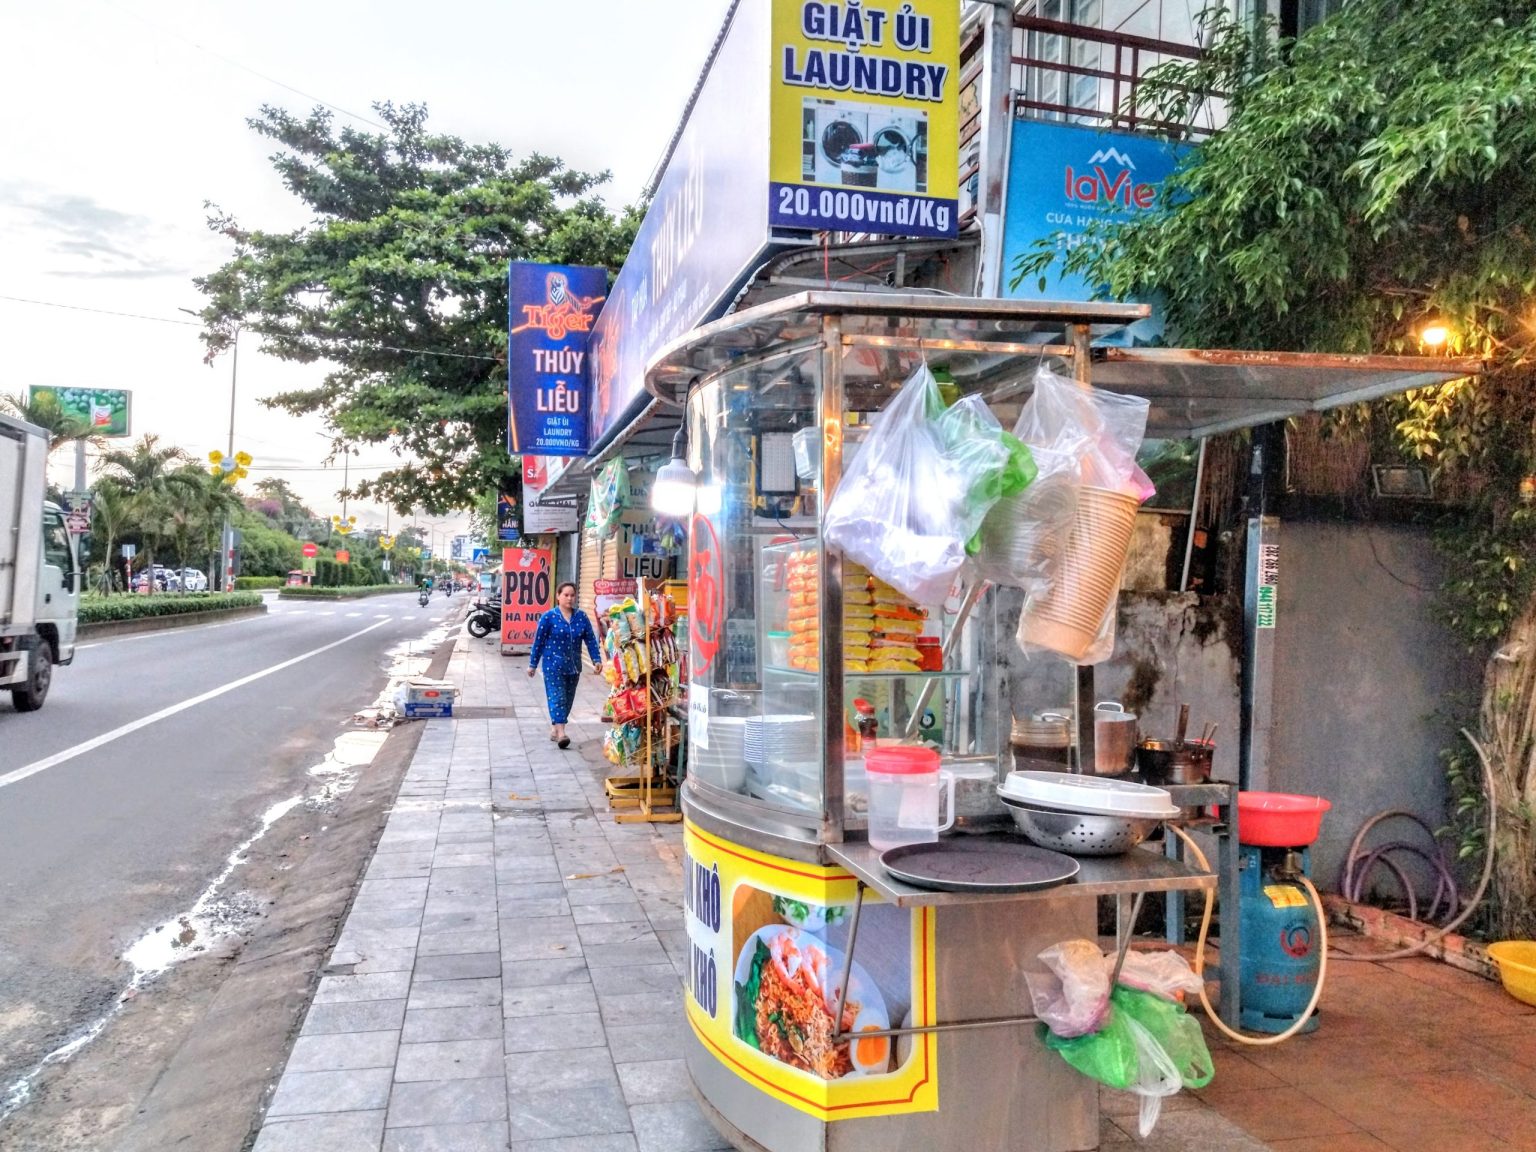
x=777, y=625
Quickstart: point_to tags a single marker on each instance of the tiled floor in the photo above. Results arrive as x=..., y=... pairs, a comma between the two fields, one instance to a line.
x=509, y=977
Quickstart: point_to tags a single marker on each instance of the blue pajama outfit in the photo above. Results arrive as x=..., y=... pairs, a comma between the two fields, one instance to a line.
x=558, y=644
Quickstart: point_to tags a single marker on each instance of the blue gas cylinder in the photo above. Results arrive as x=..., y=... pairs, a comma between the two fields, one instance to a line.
x=1279, y=958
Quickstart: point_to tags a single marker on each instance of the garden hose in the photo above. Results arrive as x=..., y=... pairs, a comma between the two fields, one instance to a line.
x=1482, y=884
x=1205, y=927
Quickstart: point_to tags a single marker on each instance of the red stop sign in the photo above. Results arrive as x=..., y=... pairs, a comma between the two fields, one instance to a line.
x=311, y=549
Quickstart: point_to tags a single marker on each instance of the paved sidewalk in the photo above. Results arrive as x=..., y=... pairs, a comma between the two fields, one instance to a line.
x=510, y=973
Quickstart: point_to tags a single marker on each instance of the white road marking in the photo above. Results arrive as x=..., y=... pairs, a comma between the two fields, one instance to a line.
x=383, y=617
x=350, y=614
x=168, y=632
x=133, y=726
x=327, y=612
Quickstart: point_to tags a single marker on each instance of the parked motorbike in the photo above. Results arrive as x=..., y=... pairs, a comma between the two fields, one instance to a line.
x=484, y=618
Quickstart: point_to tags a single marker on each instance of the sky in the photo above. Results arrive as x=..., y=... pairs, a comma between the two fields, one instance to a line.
x=126, y=116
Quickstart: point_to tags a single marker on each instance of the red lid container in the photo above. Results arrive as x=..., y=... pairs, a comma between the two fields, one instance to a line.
x=901, y=760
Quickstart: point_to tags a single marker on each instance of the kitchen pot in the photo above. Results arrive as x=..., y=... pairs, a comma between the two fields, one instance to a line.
x=1114, y=740
x=1042, y=742
x=1168, y=762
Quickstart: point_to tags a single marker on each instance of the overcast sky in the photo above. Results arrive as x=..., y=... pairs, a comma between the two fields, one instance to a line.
x=125, y=116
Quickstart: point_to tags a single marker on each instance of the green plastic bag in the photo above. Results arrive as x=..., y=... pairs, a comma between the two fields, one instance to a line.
x=1173, y=1027
x=1108, y=1055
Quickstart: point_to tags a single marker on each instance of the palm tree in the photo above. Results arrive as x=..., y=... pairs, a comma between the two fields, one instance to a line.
x=45, y=411
x=201, y=501
x=145, y=473
x=112, y=513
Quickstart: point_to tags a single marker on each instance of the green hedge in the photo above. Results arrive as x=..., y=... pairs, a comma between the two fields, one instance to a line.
x=257, y=583
x=351, y=593
x=102, y=609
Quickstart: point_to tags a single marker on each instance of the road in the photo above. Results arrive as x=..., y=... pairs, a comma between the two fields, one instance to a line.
x=126, y=794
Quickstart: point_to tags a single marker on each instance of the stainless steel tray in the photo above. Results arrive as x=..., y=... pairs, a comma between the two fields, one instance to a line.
x=979, y=864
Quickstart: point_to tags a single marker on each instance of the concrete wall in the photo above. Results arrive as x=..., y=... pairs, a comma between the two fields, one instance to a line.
x=1366, y=681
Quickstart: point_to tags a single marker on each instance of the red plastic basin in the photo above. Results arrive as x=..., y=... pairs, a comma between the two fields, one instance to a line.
x=1279, y=819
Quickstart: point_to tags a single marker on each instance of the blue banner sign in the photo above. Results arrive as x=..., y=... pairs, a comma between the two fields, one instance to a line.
x=1061, y=178
x=551, y=311
x=507, y=527
x=704, y=233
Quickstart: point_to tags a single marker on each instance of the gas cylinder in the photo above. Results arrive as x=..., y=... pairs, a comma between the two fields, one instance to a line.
x=1279, y=958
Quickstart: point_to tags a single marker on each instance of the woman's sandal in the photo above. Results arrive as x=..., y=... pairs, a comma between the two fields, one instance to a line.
x=563, y=742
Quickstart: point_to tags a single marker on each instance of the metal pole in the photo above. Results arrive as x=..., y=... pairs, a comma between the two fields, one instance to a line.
x=229, y=528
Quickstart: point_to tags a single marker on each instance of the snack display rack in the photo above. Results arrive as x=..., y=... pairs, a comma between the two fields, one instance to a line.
x=640, y=664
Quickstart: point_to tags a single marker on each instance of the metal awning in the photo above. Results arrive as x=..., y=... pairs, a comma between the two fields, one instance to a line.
x=647, y=435
x=1202, y=392
x=994, y=345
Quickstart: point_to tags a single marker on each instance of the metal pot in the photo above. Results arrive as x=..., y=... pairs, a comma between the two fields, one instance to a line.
x=1043, y=742
x=1114, y=739
x=1169, y=762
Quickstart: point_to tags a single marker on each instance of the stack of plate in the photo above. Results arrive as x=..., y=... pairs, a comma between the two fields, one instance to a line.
x=723, y=763
x=780, y=737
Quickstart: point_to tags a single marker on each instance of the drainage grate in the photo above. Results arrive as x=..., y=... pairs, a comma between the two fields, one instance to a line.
x=483, y=712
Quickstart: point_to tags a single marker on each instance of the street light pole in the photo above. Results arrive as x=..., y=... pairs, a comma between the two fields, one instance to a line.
x=227, y=537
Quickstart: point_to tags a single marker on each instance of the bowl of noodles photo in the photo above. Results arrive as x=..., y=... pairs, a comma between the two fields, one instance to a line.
x=785, y=997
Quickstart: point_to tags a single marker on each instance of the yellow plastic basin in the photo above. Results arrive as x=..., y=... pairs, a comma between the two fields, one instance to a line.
x=1517, y=967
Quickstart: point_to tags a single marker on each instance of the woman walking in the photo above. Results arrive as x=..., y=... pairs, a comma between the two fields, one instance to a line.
x=558, y=642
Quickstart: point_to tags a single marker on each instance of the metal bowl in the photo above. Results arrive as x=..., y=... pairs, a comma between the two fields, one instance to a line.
x=1080, y=834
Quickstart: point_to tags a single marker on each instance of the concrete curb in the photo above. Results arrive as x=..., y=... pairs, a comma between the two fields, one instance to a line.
x=1401, y=932
x=162, y=623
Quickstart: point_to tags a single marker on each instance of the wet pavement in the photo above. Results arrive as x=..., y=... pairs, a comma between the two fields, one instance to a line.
x=510, y=977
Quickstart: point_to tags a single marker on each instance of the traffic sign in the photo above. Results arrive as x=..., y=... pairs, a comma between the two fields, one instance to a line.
x=77, y=523
x=310, y=549
x=343, y=556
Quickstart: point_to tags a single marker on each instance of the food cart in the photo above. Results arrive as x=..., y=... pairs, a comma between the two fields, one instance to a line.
x=923, y=1036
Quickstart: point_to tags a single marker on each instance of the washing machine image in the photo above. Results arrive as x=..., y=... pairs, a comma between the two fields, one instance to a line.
x=898, y=140
x=833, y=133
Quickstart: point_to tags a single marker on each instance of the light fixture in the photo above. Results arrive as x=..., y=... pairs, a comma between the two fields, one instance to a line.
x=673, y=492
x=1434, y=334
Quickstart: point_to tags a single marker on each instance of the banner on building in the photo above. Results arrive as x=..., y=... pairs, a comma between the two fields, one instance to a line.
x=103, y=411
x=527, y=592
x=864, y=123
x=506, y=518
x=551, y=311
x=541, y=519
x=1061, y=179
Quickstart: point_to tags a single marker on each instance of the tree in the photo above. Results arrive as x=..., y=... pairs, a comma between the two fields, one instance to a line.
x=1374, y=177
x=145, y=473
x=111, y=516
x=47, y=413
x=400, y=282
x=278, y=502
x=195, y=514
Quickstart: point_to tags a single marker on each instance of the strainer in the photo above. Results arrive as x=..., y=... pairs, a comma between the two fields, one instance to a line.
x=1079, y=833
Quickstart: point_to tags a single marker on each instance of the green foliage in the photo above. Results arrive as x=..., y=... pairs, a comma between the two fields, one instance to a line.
x=258, y=583
x=350, y=592
x=399, y=280
x=265, y=550
x=1374, y=176
x=46, y=412
x=103, y=609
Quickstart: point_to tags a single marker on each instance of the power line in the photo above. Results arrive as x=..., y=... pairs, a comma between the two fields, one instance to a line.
x=101, y=311
x=245, y=68
x=198, y=324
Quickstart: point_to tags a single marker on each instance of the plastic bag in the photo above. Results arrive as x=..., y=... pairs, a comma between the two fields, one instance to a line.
x=1072, y=998
x=609, y=498
x=1164, y=974
x=1103, y=430
x=1124, y=1054
x=1176, y=1031
x=1157, y=1077
x=920, y=488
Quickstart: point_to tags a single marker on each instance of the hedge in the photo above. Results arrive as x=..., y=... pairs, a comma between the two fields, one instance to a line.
x=352, y=593
x=257, y=583
x=102, y=609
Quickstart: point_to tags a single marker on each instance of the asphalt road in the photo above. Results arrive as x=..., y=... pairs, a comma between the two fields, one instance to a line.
x=110, y=825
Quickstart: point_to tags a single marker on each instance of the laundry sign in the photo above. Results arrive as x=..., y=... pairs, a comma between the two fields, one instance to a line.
x=552, y=309
x=864, y=117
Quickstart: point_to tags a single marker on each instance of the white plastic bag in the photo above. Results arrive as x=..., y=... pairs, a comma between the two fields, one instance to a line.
x=1163, y=974
x=1157, y=1076
x=910, y=501
x=1072, y=997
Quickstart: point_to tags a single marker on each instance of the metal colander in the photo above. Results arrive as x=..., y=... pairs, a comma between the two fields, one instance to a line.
x=1078, y=833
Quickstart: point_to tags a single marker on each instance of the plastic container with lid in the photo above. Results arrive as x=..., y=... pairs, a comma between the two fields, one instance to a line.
x=776, y=649
x=905, y=789
x=1092, y=795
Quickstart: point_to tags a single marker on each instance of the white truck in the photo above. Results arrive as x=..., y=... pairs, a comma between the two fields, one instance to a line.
x=39, y=574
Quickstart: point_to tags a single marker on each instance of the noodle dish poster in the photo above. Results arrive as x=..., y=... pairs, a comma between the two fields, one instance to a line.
x=768, y=943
